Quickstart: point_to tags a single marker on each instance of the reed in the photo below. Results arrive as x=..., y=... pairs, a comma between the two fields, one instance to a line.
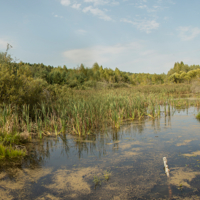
x=84, y=112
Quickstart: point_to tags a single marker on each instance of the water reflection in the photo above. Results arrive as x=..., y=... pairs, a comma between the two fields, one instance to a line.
x=64, y=167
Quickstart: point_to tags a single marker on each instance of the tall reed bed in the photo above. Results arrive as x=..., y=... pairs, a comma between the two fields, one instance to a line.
x=84, y=112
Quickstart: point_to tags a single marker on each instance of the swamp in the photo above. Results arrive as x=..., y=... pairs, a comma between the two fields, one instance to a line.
x=102, y=137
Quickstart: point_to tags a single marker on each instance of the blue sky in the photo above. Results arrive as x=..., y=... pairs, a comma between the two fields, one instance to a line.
x=133, y=35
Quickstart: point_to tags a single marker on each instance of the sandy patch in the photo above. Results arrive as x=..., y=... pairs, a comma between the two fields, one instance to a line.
x=185, y=142
x=124, y=146
x=170, y=141
x=48, y=196
x=73, y=183
x=136, y=149
x=2, y=175
x=196, y=153
x=193, y=197
x=22, y=179
x=129, y=154
x=36, y=174
x=183, y=176
x=5, y=195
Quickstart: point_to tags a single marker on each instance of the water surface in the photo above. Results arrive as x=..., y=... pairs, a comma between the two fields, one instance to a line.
x=65, y=167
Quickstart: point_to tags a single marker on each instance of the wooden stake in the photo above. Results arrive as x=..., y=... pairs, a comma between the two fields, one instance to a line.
x=166, y=166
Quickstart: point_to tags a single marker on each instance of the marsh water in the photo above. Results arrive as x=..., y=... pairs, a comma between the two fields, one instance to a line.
x=71, y=167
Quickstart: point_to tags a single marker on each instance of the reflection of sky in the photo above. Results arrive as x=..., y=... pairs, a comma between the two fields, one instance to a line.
x=159, y=134
x=134, y=155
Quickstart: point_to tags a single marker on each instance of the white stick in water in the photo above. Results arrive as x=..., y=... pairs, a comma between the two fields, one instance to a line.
x=166, y=166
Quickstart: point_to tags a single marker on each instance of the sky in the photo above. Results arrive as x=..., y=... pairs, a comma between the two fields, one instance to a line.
x=138, y=36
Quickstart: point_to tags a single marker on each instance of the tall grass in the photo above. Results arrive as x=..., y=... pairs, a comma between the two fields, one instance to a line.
x=10, y=152
x=84, y=112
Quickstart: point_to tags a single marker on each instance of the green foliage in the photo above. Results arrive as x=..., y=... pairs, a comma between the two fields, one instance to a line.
x=183, y=73
x=107, y=175
x=198, y=116
x=97, y=180
x=43, y=99
x=10, y=152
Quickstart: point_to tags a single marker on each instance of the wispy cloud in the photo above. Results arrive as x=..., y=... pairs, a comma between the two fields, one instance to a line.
x=187, y=33
x=93, y=2
x=58, y=16
x=140, y=57
x=101, y=54
x=97, y=12
x=143, y=25
x=65, y=2
x=142, y=6
x=76, y=6
x=102, y=2
x=150, y=9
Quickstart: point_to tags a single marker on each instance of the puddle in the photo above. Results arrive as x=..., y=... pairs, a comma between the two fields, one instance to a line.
x=70, y=167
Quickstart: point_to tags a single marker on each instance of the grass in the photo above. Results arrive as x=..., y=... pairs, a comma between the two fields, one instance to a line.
x=198, y=116
x=10, y=152
x=97, y=180
x=84, y=112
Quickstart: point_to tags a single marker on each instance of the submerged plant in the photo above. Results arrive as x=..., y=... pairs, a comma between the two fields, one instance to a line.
x=97, y=180
x=107, y=175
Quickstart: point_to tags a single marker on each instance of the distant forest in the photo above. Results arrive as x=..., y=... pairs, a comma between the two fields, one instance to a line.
x=23, y=82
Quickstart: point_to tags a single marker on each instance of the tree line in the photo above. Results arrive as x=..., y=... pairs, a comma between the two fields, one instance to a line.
x=22, y=82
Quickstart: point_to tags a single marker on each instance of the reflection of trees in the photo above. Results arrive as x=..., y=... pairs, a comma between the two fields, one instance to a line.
x=168, y=121
x=66, y=147
x=95, y=144
x=38, y=152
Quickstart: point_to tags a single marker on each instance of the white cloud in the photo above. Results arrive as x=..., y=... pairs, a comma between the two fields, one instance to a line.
x=102, y=2
x=133, y=57
x=143, y=25
x=154, y=8
x=76, y=6
x=142, y=6
x=187, y=33
x=101, y=54
x=65, y=2
x=58, y=16
x=96, y=11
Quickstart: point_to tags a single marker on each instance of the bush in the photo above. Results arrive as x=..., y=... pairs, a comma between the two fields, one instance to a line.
x=90, y=83
x=195, y=88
